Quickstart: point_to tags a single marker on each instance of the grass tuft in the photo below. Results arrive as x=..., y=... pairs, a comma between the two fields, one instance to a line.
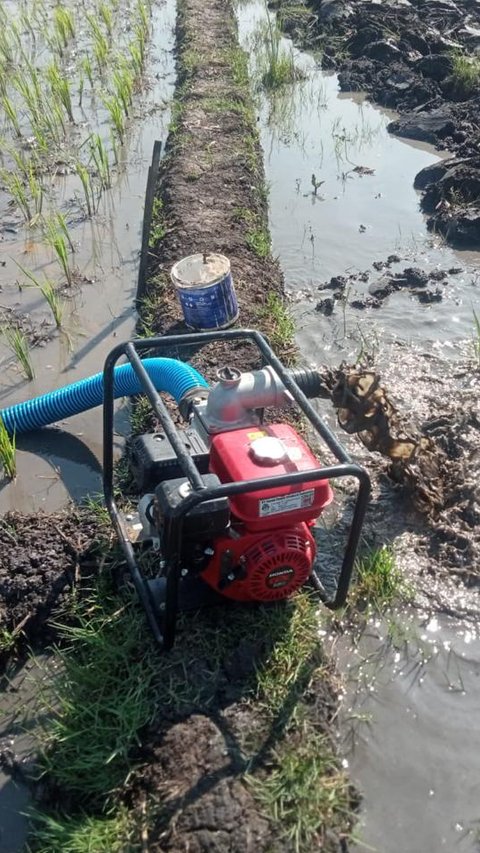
x=102, y=698
x=466, y=72
x=81, y=834
x=279, y=66
x=305, y=792
x=379, y=581
x=279, y=325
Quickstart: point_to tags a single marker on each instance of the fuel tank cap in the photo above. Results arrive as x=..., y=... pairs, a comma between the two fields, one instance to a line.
x=268, y=450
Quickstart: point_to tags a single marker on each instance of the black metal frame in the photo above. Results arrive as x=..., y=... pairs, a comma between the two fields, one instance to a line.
x=163, y=620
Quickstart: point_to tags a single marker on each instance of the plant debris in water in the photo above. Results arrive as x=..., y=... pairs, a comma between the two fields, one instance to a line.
x=435, y=461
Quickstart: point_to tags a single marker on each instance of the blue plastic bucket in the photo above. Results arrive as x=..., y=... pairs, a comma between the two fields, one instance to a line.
x=205, y=289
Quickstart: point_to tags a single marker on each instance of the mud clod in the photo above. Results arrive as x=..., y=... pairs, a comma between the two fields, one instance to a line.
x=41, y=559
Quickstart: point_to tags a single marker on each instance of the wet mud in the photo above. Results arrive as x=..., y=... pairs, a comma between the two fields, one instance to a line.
x=43, y=558
x=420, y=60
x=381, y=281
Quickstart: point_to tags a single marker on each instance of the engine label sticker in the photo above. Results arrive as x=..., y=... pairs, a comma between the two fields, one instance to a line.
x=286, y=503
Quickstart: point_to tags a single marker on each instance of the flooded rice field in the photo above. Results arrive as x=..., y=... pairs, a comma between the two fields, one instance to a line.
x=367, y=279
x=94, y=85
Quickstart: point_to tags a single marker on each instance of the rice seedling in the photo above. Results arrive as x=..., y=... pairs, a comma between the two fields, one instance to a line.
x=24, y=186
x=101, y=46
x=29, y=94
x=143, y=15
x=41, y=140
x=49, y=293
x=81, y=85
x=117, y=116
x=36, y=189
x=7, y=53
x=55, y=238
x=60, y=86
x=137, y=55
x=7, y=451
x=88, y=187
x=11, y=114
x=140, y=42
x=15, y=187
x=123, y=85
x=62, y=224
x=114, y=148
x=87, y=69
x=54, y=301
x=100, y=158
x=27, y=19
x=54, y=122
x=106, y=15
x=16, y=34
x=18, y=344
x=64, y=25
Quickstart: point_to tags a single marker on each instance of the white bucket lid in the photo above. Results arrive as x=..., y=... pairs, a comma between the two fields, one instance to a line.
x=199, y=269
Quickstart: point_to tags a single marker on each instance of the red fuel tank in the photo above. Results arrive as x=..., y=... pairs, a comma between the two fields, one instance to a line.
x=270, y=450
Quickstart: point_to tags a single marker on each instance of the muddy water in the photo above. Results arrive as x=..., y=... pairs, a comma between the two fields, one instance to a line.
x=412, y=733
x=56, y=464
x=410, y=730
x=20, y=725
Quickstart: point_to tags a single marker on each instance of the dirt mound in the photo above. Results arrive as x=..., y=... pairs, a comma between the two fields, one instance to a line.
x=210, y=808
x=41, y=559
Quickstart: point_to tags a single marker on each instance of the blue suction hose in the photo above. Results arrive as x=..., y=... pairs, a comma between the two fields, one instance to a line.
x=167, y=374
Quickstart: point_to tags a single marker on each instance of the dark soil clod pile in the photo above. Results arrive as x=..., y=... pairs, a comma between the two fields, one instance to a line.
x=41, y=560
x=421, y=59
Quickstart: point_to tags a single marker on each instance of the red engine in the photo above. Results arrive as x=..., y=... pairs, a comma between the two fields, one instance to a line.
x=269, y=550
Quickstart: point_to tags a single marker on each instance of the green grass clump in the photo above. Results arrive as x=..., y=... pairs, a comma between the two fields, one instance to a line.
x=305, y=793
x=158, y=227
x=258, y=240
x=7, y=451
x=257, y=236
x=102, y=698
x=293, y=657
x=279, y=325
x=466, y=72
x=379, y=581
x=279, y=67
x=82, y=834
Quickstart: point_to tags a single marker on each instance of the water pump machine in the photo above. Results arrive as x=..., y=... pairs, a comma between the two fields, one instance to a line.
x=229, y=502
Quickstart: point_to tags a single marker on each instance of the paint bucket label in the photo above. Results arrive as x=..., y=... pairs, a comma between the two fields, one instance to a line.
x=205, y=290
